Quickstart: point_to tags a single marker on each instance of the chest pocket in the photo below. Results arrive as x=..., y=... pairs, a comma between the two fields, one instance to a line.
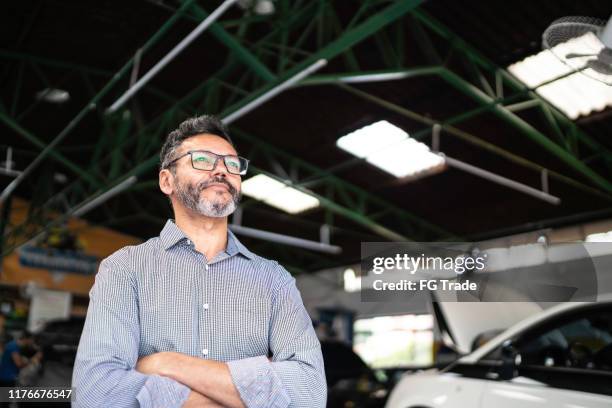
x=166, y=321
x=243, y=325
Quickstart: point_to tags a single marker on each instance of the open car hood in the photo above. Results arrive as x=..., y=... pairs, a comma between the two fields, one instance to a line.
x=461, y=322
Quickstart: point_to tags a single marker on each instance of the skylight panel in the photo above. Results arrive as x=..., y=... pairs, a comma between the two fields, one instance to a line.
x=391, y=149
x=278, y=195
x=575, y=95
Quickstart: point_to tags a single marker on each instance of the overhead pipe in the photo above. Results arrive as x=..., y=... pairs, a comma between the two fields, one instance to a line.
x=274, y=91
x=212, y=17
x=496, y=178
x=285, y=239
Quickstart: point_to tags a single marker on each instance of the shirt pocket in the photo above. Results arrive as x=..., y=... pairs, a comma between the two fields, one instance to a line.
x=166, y=322
x=244, y=325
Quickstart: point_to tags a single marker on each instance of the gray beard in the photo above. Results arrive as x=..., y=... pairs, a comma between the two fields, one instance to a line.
x=189, y=196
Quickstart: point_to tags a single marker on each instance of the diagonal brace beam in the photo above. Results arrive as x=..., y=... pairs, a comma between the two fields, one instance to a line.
x=60, y=158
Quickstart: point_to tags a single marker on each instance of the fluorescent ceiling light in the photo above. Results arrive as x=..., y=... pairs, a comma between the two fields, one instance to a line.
x=575, y=95
x=600, y=237
x=352, y=282
x=391, y=149
x=260, y=7
x=53, y=95
x=277, y=194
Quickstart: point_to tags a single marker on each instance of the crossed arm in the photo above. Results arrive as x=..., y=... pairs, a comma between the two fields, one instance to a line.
x=210, y=381
x=108, y=371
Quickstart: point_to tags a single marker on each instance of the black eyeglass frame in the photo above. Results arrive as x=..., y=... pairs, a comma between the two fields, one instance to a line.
x=217, y=157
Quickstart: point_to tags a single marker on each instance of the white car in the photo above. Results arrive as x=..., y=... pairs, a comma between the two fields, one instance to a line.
x=560, y=357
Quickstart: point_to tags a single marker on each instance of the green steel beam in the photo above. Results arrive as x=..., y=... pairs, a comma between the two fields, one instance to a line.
x=60, y=158
x=344, y=42
x=340, y=79
x=469, y=138
x=172, y=113
x=234, y=46
x=470, y=90
x=503, y=76
x=350, y=59
x=95, y=100
x=121, y=132
x=487, y=104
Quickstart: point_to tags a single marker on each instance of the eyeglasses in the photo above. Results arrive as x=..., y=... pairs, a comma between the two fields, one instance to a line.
x=204, y=160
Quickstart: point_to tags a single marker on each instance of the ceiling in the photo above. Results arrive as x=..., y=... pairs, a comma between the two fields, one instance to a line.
x=451, y=54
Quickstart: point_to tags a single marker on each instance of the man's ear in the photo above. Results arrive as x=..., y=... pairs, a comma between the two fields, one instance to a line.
x=166, y=181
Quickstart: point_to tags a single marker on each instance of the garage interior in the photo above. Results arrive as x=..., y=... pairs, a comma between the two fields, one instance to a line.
x=522, y=139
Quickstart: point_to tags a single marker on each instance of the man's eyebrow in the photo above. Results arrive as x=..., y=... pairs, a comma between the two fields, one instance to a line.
x=212, y=151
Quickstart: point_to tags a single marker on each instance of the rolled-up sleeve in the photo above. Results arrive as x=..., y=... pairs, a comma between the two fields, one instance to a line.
x=104, y=371
x=295, y=377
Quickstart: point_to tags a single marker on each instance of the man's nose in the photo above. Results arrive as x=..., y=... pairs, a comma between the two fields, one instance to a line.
x=219, y=169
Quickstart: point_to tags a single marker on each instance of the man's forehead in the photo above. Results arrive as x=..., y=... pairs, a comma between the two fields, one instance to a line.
x=213, y=143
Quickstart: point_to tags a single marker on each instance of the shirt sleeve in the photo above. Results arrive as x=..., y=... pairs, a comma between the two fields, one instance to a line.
x=295, y=377
x=104, y=370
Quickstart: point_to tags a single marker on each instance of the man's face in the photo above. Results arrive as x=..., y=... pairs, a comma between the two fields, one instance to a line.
x=213, y=193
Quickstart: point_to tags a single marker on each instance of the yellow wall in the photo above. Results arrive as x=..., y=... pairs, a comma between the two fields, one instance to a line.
x=97, y=241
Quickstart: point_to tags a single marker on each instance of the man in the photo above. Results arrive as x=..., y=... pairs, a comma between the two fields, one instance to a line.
x=13, y=361
x=193, y=318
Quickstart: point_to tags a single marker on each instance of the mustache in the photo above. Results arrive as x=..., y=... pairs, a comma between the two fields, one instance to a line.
x=218, y=180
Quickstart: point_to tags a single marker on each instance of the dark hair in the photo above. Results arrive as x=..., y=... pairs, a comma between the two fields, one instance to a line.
x=205, y=124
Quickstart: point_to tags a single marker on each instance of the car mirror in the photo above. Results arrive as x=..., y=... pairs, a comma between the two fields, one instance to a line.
x=510, y=359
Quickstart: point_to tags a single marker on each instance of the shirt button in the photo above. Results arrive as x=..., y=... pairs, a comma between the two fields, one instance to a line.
x=205, y=352
x=188, y=242
x=205, y=306
x=206, y=266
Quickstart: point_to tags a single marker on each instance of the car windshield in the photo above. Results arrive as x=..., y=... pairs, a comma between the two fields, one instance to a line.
x=581, y=343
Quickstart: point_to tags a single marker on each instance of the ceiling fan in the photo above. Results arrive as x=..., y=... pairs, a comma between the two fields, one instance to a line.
x=582, y=43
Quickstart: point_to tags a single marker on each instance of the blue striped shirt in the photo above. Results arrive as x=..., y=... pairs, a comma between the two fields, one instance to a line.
x=163, y=295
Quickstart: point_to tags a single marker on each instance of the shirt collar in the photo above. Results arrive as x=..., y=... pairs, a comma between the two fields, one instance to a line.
x=234, y=246
x=171, y=235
